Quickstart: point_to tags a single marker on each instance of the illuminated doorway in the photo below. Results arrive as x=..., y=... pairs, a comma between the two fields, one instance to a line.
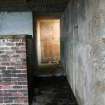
x=48, y=41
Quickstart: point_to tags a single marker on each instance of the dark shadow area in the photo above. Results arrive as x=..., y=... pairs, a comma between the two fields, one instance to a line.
x=30, y=67
x=49, y=70
x=53, y=91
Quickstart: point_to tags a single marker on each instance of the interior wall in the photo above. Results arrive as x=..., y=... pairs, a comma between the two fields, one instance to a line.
x=14, y=23
x=38, y=43
x=13, y=70
x=83, y=49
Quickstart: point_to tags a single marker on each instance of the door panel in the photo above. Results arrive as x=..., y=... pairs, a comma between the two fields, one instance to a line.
x=50, y=40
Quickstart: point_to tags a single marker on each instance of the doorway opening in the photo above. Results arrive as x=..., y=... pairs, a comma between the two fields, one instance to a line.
x=49, y=78
x=48, y=41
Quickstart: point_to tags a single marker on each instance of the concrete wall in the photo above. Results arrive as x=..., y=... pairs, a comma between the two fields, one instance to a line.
x=83, y=49
x=13, y=23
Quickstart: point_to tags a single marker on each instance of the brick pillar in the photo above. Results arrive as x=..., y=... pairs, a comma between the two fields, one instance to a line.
x=13, y=71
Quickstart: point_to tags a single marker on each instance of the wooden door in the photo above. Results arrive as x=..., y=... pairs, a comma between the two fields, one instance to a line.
x=50, y=40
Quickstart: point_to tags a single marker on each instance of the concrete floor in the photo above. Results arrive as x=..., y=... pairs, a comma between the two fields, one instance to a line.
x=53, y=91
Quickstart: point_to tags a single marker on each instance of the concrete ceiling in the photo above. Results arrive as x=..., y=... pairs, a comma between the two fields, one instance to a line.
x=33, y=5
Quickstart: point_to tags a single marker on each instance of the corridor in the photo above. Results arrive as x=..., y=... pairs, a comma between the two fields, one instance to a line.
x=40, y=37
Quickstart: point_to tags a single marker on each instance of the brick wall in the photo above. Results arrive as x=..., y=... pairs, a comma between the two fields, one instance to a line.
x=13, y=71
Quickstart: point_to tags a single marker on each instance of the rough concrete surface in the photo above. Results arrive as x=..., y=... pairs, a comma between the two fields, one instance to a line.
x=83, y=49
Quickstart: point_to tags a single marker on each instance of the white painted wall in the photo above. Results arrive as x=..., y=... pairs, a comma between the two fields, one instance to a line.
x=38, y=43
x=14, y=23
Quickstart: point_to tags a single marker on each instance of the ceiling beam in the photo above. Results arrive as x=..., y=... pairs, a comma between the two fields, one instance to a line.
x=33, y=5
